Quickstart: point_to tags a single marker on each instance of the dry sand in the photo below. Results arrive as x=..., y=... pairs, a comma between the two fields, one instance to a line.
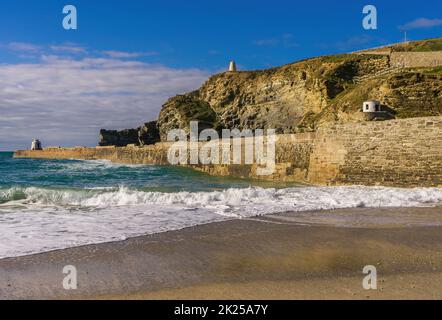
x=265, y=258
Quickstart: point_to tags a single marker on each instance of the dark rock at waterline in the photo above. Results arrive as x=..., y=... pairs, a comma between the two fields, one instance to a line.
x=148, y=134
x=144, y=135
x=118, y=138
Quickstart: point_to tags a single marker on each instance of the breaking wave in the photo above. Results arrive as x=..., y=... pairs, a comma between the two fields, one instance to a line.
x=56, y=204
x=243, y=202
x=35, y=219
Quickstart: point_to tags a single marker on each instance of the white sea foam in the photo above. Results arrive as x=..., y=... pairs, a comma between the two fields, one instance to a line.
x=37, y=219
x=89, y=165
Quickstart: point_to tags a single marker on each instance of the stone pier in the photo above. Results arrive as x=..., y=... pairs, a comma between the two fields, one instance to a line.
x=401, y=153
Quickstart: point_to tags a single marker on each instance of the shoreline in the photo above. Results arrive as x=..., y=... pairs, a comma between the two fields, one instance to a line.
x=270, y=257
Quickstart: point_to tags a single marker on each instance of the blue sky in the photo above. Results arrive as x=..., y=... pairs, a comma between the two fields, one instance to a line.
x=127, y=57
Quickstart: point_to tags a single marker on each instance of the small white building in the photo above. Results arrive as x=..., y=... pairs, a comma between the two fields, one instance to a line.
x=36, y=145
x=232, y=66
x=371, y=106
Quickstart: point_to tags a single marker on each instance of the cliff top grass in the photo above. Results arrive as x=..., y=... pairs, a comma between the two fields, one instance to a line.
x=435, y=71
x=320, y=66
x=420, y=46
x=427, y=45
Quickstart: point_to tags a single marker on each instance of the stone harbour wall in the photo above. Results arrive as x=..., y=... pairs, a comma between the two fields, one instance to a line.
x=404, y=152
x=416, y=59
x=401, y=153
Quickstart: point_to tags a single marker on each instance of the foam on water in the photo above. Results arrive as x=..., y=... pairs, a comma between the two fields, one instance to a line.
x=55, y=204
x=35, y=219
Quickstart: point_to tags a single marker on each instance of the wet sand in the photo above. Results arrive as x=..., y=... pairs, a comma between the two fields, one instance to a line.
x=287, y=256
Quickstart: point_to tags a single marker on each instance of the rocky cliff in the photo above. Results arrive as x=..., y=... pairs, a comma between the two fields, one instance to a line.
x=305, y=95
x=144, y=135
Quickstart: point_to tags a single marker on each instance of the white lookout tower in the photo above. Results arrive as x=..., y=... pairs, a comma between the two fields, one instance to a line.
x=232, y=66
x=371, y=106
x=373, y=112
x=36, y=145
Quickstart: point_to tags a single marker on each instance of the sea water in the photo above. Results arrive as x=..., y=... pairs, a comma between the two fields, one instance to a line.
x=55, y=204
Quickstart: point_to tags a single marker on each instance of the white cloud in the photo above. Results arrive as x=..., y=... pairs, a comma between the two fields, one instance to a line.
x=69, y=48
x=22, y=46
x=64, y=101
x=421, y=23
x=28, y=50
x=125, y=55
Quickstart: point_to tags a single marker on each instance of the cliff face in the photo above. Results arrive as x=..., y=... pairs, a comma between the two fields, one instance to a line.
x=178, y=111
x=283, y=98
x=411, y=93
x=306, y=95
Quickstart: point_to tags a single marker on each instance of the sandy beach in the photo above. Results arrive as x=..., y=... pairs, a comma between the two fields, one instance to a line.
x=220, y=151
x=272, y=257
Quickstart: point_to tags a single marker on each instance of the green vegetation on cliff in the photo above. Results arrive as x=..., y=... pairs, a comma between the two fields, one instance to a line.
x=305, y=95
x=420, y=46
x=183, y=109
x=411, y=93
x=308, y=94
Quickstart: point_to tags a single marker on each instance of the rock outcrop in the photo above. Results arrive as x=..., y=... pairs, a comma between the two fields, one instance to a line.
x=118, y=138
x=147, y=134
x=178, y=111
